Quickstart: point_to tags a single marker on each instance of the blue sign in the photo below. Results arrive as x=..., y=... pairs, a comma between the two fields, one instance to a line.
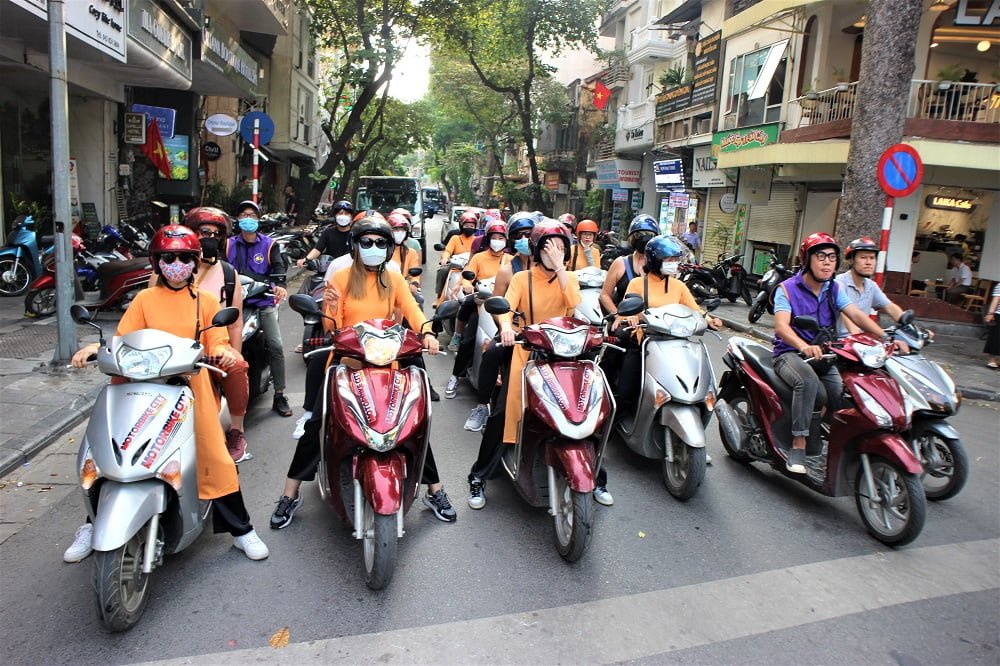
x=668, y=175
x=900, y=170
x=265, y=127
x=164, y=118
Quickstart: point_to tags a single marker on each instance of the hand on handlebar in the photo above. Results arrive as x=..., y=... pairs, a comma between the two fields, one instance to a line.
x=83, y=355
x=901, y=346
x=811, y=352
x=714, y=323
x=507, y=337
x=431, y=344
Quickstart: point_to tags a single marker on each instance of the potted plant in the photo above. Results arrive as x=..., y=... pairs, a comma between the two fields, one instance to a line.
x=840, y=78
x=947, y=75
x=809, y=96
x=673, y=77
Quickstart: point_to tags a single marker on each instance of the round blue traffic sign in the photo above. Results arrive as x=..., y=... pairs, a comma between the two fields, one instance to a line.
x=265, y=127
x=900, y=170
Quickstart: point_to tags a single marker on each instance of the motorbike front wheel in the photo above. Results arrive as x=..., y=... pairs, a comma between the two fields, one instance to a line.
x=683, y=476
x=379, y=544
x=15, y=276
x=40, y=303
x=574, y=520
x=121, y=586
x=946, y=467
x=757, y=310
x=895, y=516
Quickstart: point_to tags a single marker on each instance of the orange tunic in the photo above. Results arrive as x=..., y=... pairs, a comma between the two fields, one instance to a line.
x=578, y=257
x=347, y=311
x=674, y=291
x=412, y=260
x=486, y=264
x=174, y=312
x=549, y=301
x=458, y=244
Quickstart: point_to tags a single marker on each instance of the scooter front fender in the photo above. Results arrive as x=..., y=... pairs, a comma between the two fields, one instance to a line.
x=43, y=281
x=382, y=479
x=939, y=427
x=577, y=460
x=893, y=448
x=685, y=421
x=123, y=508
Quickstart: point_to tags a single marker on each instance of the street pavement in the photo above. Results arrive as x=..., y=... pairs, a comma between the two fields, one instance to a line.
x=754, y=569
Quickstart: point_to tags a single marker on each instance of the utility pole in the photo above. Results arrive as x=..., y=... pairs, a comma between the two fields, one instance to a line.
x=62, y=226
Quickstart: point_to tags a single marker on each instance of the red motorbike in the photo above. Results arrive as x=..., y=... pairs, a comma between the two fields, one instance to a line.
x=568, y=412
x=376, y=424
x=860, y=453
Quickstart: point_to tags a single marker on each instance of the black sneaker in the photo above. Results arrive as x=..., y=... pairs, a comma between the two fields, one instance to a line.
x=281, y=405
x=434, y=395
x=477, y=493
x=441, y=506
x=282, y=516
x=796, y=462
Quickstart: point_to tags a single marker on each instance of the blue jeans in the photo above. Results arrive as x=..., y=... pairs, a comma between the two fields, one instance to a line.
x=269, y=324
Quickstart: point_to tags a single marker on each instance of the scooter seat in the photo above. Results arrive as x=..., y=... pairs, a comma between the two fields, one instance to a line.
x=110, y=269
x=762, y=361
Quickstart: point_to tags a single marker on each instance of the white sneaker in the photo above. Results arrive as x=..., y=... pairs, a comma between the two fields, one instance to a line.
x=602, y=496
x=708, y=459
x=300, y=426
x=477, y=418
x=451, y=388
x=82, y=544
x=251, y=545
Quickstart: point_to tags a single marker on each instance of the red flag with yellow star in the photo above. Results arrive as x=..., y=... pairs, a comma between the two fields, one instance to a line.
x=601, y=95
x=154, y=149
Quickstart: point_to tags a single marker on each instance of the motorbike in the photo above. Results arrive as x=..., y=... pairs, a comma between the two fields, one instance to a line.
x=612, y=249
x=591, y=281
x=726, y=279
x=862, y=451
x=376, y=424
x=137, y=235
x=20, y=260
x=568, y=411
x=676, y=396
x=104, y=281
x=112, y=240
x=934, y=397
x=137, y=464
x=255, y=350
x=764, y=301
x=486, y=329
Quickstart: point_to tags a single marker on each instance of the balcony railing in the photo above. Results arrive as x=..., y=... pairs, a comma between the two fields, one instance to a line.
x=823, y=106
x=617, y=73
x=648, y=43
x=634, y=115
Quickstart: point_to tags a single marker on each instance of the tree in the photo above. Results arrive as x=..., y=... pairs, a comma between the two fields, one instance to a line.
x=504, y=40
x=887, y=64
x=404, y=129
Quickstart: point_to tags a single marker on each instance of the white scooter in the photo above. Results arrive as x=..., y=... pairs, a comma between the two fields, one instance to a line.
x=137, y=463
x=591, y=281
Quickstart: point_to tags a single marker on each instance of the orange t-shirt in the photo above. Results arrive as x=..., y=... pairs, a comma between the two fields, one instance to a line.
x=348, y=311
x=458, y=244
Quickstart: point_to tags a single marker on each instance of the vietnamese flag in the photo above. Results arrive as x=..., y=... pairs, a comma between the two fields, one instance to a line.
x=601, y=95
x=155, y=150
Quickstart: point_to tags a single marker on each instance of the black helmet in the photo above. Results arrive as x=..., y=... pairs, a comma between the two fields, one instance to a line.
x=373, y=226
x=860, y=244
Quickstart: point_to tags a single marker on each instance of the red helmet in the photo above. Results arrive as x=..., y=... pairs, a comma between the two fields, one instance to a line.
x=402, y=211
x=587, y=225
x=398, y=221
x=864, y=243
x=544, y=230
x=496, y=228
x=569, y=220
x=362, y=214
x=816, y=242
x=203, y=215
x=174, y=238
x=468, y=217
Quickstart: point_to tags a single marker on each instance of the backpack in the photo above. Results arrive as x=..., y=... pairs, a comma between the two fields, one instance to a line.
x=229, y=281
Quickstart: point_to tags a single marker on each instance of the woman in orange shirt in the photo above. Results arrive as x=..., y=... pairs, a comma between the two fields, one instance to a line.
x=364, y=290
x=585, y=254
x=460, y=243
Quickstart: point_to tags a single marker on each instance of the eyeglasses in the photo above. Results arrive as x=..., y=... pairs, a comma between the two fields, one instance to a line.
x=185, y=257
x=826, y=256
x=521, y=234
x=210, y=232
x=367, y=242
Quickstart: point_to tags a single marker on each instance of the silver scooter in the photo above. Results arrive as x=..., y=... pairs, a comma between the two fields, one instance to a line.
x=137, y=463
x=486, y=330
x=677, y=395
x=934, y=398
x=591, y=281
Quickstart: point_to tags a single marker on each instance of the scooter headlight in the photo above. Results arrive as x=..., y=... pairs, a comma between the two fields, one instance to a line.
x=876, y=410
x=873, y=356
x=567, y=344
x=142, y=363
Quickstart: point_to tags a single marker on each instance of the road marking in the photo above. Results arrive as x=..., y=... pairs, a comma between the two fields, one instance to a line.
x=655, y=623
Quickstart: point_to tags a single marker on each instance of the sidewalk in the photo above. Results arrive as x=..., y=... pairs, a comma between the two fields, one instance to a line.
x=962, y=357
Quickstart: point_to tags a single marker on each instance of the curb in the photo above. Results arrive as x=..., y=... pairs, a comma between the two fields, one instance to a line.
x=969, y=392
x=20, y=449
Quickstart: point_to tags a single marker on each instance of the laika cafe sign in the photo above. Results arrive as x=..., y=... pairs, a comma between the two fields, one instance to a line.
x=744, y=138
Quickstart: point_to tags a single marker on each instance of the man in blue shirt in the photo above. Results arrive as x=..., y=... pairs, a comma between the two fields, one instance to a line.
x=862, y=257
x=691, y=238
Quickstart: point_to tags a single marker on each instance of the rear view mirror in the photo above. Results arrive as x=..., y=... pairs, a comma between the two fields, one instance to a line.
x=225, y=317
x=303, y=304
x=468, y=275
x=712, y=304
x=447, y=310
x=439, y=247
x=631, y=305
x=416, y=271
x=906, y=318
x=497, y=305
x=805, y=323
x=80, y=314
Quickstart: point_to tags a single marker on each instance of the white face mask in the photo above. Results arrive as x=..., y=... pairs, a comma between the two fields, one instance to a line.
x=343, y=220
x=372, y=256
x=669, y=267
x=498, y=244
x=586, y=242
x=399, y=237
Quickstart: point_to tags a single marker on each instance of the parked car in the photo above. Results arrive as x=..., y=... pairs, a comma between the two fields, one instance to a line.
x=451, y=223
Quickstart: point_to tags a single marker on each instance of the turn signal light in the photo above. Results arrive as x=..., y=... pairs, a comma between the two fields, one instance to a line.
x=710, y=401
x=88, y=474
x=661, y=398
x=171, y=473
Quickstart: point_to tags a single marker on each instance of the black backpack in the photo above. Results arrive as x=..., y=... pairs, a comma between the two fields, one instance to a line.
x=229, y=282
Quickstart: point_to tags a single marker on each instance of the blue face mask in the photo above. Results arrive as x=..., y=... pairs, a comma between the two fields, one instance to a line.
x=521, y=245
x=249, y=224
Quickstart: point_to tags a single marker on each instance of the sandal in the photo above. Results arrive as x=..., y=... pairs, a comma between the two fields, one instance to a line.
x=993, y=365
x=298, y=349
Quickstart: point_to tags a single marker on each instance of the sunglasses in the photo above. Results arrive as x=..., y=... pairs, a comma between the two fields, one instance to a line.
x=185, y=257
x=210, y=233
x=366, y=243
x=826, y=256
x=521, y=234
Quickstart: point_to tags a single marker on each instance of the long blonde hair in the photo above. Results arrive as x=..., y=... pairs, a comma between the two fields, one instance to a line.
x=357, y=283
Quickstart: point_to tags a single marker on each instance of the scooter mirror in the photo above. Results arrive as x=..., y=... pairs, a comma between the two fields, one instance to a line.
x=484, y=295
x=906, y=318
x=304, y=304
x=712, y=304
x=415, y=271
x=80, y=314
x=468, y=275
x=439, y=247
x=497, y=305
x=447, y=310
x=631, y=305
x=225, y=317
x=805, y=323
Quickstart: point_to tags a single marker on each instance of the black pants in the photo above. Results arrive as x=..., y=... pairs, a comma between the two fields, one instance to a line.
x=628, y=381
x=229, y=514
x=467, y=348
x=494, y=357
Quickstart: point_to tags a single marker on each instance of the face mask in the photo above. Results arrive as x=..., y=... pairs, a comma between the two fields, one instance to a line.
x=249, y=224
x=670, y=267
x=521, y=245
x=343, y=220
x=497, y=245
x=177, y=271
x=399, y=237
x=466, y=231
x=639, y=241
x=209, y=248
x=586, y=242
x=372, y=256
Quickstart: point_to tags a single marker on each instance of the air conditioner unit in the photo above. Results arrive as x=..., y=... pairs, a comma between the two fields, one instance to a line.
x=729, y=121
x=703, y=126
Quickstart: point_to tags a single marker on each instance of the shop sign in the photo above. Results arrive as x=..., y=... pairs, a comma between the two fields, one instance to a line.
x=635, y=134
x=552, y=180
x=620, y=195
x=668, y=175
x=135, y=128
x=991, y=16
x=706, y=172
x=100, y=23
x=616, y=173
x=161, y=35
x=673, y=100
x=744, y=138
x=226, y=55
x=727, y=203
x=679, y=199
x=706, y=68
x=638, y=197
x=740, y=228
x=179, y=156
x=220, y=124
x=950, y=203
x=164, y=117
x=211, y=150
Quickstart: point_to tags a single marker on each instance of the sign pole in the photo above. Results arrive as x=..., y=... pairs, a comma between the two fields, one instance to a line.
x=883, y=243
x=256, y=153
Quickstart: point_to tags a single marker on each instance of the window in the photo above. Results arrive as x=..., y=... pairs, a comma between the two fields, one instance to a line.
x=297, y=44
x=757, y=85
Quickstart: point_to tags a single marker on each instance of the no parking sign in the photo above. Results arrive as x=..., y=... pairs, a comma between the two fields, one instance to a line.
x=900, y=171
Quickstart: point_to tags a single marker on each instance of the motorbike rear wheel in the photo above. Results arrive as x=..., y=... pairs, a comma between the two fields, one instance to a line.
x=757, y=311
x=898, y=513
x=745, y=293
x=14, y=279
x=121, y=586
x=946, y=466
x=40, y=303
x=379, y=544
x=574, y=520
x=683, y=476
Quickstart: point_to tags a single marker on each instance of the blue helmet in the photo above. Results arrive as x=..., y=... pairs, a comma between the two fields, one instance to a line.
x=643, y=222
x=660, y=248
x=519, y=223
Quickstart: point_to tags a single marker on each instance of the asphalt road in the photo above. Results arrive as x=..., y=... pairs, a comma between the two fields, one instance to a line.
x=754, y=569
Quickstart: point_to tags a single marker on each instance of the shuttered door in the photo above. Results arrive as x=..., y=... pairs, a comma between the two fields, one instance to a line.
x=717, y=228
x=777, y=221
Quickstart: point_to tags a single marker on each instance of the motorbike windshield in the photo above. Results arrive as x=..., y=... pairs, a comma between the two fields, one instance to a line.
x=675, y=320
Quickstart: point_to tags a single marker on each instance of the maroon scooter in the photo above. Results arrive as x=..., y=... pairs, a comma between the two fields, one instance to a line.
x=860, y=453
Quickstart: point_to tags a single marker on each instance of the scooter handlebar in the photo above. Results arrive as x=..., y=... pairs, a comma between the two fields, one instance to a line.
x=219, y=371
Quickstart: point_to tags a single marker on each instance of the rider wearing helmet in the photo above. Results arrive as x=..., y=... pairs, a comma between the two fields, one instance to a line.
x=812, y=292
x=178, y=307
x=546, y=290
x=641, y=230
x=335, y=239
x=402, y=253
x=568, y=220
x=862, y=258
x=364, y=290
x=460, y=243
x=585, y=253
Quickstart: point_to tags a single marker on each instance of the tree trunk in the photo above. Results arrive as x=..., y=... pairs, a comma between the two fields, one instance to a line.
x=879, y=111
